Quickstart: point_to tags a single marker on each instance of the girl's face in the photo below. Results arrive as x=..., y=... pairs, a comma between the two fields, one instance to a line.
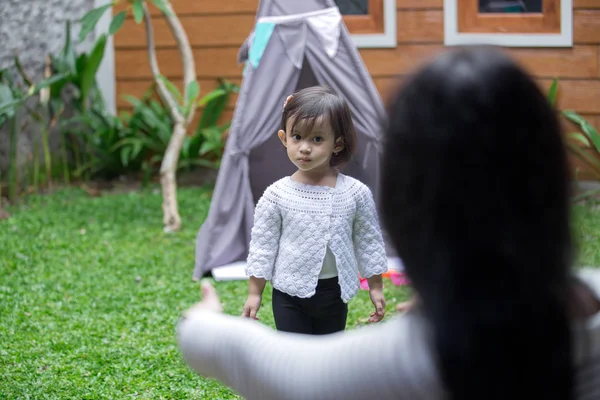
x=310, y=150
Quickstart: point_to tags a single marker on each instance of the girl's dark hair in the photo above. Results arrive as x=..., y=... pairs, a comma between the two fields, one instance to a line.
x=314, y=102
x=475, y=196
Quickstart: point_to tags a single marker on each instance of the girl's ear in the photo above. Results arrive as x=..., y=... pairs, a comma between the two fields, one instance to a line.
x=339, y=145
x=281, y=135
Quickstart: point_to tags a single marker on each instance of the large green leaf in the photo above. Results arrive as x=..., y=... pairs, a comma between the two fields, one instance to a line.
x=90, y=20
x=8, y=109
x=552, y=92
x=53, y=80
x=80, y=64
x=585, y=126
x=138, y=11
x=212, y=96
x=117, y=22
x=77, y=119
x=59, y=66
x=6, y=94
x=160, y=4
x=8, y=102
x=193, y=145
x=579, y=137
x=213, y=110
x=88, y=77
x=213, y=141
x=592, y=133
x=8, y=78
x=21, y=70
x=589, y=160
x=574, y=117
x=152, y=119
x=138, y=146
x=216, y=104
x=192, y=93
x=126, y=155
x=171, y=88
x=68, y=54
x=193, y=90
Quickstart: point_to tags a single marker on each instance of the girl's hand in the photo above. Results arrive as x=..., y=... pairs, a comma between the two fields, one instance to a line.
x=378, y=301
x=252, y=305
x=210, y=300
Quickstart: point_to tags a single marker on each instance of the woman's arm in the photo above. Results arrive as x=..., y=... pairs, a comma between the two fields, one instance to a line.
x=384, y=361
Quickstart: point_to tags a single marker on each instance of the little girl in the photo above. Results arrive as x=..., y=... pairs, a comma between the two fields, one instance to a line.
x=316, y=230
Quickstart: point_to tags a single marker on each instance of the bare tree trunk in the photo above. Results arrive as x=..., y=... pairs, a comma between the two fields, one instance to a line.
x=187, y=57
x=168, y=179
x=168, y=168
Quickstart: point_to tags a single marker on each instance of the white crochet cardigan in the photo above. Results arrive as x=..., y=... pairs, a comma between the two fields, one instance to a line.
x=295, y=222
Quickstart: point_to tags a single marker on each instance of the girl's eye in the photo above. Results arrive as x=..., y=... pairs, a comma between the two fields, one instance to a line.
x=318, y=139
x=296, y=137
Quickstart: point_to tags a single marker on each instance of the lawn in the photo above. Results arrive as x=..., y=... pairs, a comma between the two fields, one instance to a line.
x=90, y=293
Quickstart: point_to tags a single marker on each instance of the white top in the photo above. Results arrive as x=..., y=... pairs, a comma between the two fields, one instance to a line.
x=295, y=222
x=329, y=269
x=388, y=360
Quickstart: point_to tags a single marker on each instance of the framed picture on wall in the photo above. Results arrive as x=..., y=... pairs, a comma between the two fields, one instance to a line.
x=371, y=23
x=512, y=23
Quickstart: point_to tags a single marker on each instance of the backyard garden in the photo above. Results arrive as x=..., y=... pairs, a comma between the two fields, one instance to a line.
x=94, y=270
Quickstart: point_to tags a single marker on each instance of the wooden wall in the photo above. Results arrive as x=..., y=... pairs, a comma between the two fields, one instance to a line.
x=216, y=29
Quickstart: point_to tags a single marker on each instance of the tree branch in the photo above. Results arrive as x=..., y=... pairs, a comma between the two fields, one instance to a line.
x=187, y=57
x=163, y=92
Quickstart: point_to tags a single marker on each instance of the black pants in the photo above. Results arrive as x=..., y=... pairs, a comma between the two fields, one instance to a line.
x=325, y=312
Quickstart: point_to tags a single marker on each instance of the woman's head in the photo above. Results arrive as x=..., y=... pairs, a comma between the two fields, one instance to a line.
x=317, y=119
x=475, y=198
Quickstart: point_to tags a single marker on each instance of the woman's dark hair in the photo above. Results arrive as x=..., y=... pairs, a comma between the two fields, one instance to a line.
x=475, y=196
x=315, y=102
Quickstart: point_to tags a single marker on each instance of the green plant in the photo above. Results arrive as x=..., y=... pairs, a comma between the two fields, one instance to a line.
x=92, y=131
x=150, y=125
x=13, y=98
x=102, y=133
x=80, y=72
x=214, y=105
x=135, y=142
x=181, y=110
x=584, y=145
x=68, y=75
x=83, y=94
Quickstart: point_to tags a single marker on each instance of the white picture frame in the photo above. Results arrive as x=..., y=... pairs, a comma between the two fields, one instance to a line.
x=389, y=37
x=452, y=37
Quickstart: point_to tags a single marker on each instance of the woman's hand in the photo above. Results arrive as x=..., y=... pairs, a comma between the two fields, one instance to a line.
x=406, y=306
x=210, y=300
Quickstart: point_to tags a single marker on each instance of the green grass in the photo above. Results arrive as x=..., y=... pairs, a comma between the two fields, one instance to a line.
x=587, y=233
x=91, y=290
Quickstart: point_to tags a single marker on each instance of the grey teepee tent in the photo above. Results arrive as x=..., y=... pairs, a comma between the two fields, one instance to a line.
x=294, y=44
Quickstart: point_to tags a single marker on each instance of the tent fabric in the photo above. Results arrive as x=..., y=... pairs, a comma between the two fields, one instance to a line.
x=294, y=44
x=262, y=35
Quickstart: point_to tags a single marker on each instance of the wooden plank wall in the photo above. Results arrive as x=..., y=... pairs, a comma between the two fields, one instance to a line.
x=217, y=28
